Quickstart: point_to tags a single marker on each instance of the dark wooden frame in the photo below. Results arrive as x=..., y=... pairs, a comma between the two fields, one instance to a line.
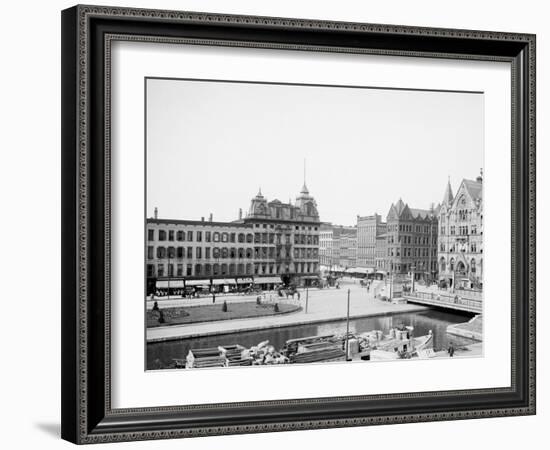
x=87, y=31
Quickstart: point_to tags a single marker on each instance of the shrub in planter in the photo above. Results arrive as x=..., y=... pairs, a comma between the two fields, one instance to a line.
x=276, y=308
x=224, y=306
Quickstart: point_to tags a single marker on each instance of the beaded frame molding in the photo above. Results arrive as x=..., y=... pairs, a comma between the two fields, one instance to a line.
x=87, y=35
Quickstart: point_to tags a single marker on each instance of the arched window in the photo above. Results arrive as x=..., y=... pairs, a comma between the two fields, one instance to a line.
x=473, y=265
x=216, y=269
x=224, y=269
x=225, y=252
x=231, y=269
x=249, y=254
x=216, y=252
x=241, y=253
x=232, y=252
x=241, y=237
x=161, y=252
x=452, y=264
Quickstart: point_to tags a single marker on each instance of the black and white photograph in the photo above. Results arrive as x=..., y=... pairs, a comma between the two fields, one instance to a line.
x=302, y=223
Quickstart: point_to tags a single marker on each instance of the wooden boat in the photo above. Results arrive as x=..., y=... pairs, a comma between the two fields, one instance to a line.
x=205, y=357
x=324, y=354
x=311, y=349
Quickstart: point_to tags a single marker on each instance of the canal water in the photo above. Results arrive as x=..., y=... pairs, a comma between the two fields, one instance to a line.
x=160, y=354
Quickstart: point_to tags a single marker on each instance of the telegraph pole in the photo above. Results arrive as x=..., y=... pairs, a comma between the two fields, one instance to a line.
x=347, y=331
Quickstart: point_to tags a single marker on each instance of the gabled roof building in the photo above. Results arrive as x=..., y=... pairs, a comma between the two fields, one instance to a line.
x=460, y=242
x=411, y=241
x=286, y=238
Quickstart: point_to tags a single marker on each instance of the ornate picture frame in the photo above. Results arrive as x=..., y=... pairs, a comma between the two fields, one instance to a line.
x=87, y=35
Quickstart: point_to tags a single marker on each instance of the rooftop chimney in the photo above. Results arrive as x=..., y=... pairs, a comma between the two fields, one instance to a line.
x=240, y=213
x=210, y=217
x=156, y=213
x=202, y=219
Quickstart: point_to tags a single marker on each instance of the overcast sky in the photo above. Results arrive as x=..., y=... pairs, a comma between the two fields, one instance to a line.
x=212, y=145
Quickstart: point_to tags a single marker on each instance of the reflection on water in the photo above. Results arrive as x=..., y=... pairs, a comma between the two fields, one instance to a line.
x=161, y=354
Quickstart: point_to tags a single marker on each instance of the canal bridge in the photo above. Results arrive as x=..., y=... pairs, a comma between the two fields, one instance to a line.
x=468, y=301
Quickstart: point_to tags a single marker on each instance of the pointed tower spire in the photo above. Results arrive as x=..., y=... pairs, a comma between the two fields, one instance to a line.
x=448, y=196
x=304, y=187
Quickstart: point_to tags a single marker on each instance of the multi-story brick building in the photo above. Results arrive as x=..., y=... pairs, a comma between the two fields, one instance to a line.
x=348, y=249
x=185, y=253
x=411, y=241
x=286, y=238
x=275, y=243
x=338, y=246
x=368, y=229
x=328, y=255
x=381, y=252
x=460, y=241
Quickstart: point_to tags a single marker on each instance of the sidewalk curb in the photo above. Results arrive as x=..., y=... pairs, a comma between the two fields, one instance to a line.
x=415, y=308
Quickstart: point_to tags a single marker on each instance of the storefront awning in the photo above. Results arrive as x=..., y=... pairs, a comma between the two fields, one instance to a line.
x=244, y=280
x=173, y=284
x=197, y=283
x=265, y=280
x=362, y=270
x=224, y=281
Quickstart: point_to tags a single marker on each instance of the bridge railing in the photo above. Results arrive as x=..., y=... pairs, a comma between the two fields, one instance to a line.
x=450, y=300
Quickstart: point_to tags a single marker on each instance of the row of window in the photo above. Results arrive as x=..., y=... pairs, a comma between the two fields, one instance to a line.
x=273, y=269
x=196, y=270
x=276, y=238
x=411, y=252
x=232, y=252
x=462, y=215
x=180, y=270
x=297, y=227
x=462, y=230
x=461, y=247
x=272, y=253
x=416, y=240
x=198, y=252
x=408, y=228
x=198, y=236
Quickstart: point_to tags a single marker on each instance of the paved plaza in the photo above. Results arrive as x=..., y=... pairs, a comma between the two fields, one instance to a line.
x=322, y=305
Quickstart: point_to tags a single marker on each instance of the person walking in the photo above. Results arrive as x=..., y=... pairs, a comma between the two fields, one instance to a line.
x=213, y=297
x=451, y=350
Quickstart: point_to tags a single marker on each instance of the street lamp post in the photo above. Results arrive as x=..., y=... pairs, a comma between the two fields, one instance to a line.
x=413, y=269
x=169, y=275
x=391, y=280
